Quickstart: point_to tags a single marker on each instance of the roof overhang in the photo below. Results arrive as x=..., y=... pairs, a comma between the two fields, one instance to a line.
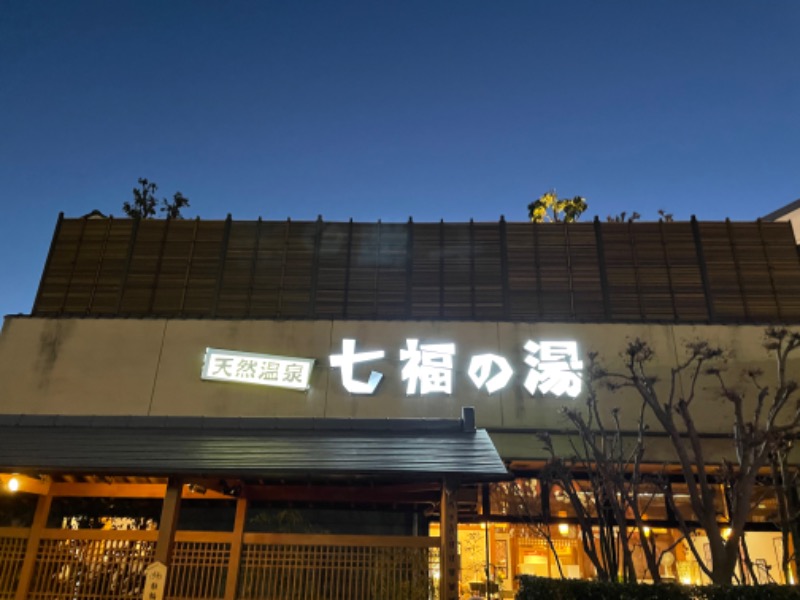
x=270, y=448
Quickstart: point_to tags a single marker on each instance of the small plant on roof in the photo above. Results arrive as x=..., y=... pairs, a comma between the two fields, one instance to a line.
x=145, y=201
x=549, y=207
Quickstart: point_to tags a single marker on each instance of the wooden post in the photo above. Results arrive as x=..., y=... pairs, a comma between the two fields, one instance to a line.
x=169, y=521
x=32, y=548
x=236, y=549
x=448, y=542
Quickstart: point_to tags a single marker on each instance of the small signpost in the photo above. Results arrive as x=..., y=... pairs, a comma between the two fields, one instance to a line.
x=155, y=581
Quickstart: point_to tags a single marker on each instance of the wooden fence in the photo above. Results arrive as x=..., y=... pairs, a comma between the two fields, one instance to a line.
x=106, y=565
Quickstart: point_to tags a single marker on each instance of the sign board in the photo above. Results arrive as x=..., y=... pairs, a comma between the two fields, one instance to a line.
x=259, y=369
x=155, y=581
x=553, y=367
x=548, y=367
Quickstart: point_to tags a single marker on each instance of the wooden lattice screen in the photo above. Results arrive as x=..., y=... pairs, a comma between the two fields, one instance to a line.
x=199, y=570
x=594, y=272
x=109, y=565
x=12, y=553
x=336, y=572
x=91, y=567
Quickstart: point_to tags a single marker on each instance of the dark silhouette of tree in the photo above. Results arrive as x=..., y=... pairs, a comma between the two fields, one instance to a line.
x=145, y=202
x=624, y=217
x=763, y=425
x=608, y=501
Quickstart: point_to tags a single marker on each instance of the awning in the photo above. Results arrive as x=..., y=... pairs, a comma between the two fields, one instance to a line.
x=249, y=447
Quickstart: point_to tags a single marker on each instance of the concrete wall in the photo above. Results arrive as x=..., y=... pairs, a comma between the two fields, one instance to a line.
x=152, y=367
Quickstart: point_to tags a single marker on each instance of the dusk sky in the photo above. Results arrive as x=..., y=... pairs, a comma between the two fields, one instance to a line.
x=391, y=109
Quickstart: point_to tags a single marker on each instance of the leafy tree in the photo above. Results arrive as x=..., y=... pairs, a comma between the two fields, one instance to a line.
x=145, y=202
x=548, y=207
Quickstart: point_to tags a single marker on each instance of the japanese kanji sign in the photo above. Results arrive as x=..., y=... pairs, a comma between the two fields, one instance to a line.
x=155, y=581
x=555, y=368
x=259, y=369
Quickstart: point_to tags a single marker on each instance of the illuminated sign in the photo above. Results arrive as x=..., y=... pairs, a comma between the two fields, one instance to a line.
x=429, y=367
x=555, y=368
x=347, y=359
x=482, y=372
x=259, y=369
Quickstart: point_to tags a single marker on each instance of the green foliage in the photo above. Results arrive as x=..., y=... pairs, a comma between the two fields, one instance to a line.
x=549, y=207
x=145, y=202
x=541, y=588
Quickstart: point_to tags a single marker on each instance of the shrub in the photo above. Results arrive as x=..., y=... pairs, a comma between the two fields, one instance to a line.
x=542, y=588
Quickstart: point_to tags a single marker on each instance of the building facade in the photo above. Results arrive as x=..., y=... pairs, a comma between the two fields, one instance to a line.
x=273, y=409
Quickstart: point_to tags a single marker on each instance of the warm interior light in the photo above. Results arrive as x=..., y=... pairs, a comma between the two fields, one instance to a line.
x=13, y=484
x=686, y=580
x=563, y=529
x=646, y=531
x=726, y=533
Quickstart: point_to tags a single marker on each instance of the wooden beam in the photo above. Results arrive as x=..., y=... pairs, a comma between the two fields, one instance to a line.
x=109, y=490
x=130, y=490
x=32, y=547
x=169, y=521
x=326, y=539
x=448, y=549
x=236, y=549
x=31, y=485
x=132, y=535
x=329, y=494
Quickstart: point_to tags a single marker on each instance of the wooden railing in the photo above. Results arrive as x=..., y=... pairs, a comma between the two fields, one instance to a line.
x=105, y=565
x=12, y=553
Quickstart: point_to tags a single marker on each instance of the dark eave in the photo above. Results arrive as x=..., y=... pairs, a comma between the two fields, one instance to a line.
x=265, y=448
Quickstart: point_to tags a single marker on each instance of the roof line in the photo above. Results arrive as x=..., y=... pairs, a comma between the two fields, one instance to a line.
x=784, y=210
x=245, y=424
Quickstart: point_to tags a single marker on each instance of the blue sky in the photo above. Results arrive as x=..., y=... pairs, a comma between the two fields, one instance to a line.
x=379, y=109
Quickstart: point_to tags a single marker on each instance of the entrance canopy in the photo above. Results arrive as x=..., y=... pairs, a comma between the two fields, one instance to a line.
x=250, y=447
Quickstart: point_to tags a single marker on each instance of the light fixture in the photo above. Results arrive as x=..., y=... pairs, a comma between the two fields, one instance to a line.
x=646, y=531
x=13, y=484
x=563, y=529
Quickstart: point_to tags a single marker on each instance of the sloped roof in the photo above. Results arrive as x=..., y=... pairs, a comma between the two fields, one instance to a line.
x=782, y=211
x=255, y=447
x=677, y=272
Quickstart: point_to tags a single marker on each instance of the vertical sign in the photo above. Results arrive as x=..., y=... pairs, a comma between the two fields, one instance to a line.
x=155, y=581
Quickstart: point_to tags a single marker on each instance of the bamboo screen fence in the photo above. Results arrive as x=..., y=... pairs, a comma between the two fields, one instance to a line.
x=110, y=565
x=716, y=272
